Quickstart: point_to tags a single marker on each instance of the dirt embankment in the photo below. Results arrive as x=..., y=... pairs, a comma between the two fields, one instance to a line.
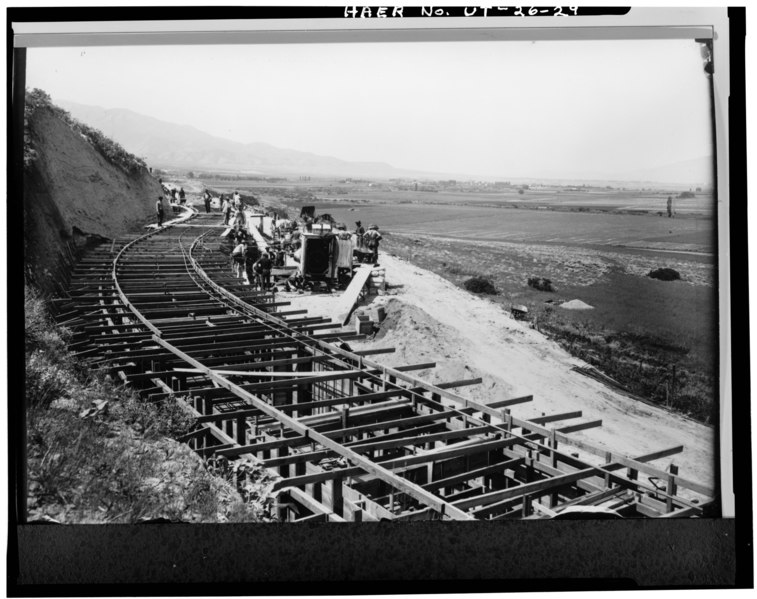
x=72, y=191
x=430, y=319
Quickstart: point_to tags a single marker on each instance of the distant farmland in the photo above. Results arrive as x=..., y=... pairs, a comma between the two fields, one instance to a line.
x=690, y=233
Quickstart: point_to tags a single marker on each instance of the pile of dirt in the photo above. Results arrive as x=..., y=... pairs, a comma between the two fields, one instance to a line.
x=73, y=193
x=576, y=304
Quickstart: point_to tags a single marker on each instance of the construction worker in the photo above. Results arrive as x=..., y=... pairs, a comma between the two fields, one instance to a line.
x=371, y=240
x=226, y=209
x=239, y=214
x=206, y=197
x=238, y=257
x=670, y=206
x=295, y=282
x=238, y=235
x=159, y=210
x=359, y=232
x=182, y=197
x=262, y=270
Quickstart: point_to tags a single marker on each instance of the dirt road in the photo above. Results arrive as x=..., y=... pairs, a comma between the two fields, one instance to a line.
x=429, y=319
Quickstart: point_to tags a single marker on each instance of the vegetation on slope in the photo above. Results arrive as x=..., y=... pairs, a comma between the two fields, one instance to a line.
x=97, y=454
x=112, y=151
x=652, y=355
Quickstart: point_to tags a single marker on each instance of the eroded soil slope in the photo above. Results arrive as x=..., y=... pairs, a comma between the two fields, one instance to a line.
x=72, y=191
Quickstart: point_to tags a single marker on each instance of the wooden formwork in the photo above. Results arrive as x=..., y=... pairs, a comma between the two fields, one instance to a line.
x=350, y=439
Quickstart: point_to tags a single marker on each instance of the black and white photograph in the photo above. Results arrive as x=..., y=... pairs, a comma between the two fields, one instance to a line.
x=393, y=271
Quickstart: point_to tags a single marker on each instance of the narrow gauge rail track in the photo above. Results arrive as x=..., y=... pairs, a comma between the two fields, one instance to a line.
x=350, y=439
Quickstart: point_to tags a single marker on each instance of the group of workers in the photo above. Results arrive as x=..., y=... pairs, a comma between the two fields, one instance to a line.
x=368, y=240
x=177, y=196
x=232, y=209
x=248, y=260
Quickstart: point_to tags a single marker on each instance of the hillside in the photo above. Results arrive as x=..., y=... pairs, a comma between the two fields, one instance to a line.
x=172, y=145
x=77, y=184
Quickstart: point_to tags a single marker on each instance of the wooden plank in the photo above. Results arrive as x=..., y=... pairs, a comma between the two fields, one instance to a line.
x=387, y=476
x=446, y=453
x=264, y=374
x=294, y=382
x=378, y=350
x=503, y=403
x=555, y=417
x=525, y=489
x=572, y=428
x=468, y=475
x=386, y=424
x=415, y=439
x=343, y=309
x=352, y=399
x=317, y=477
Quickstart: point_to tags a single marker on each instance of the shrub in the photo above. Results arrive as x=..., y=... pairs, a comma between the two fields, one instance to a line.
x=169, y=418
x=249, y=200
x=253, y=482
x=540, y=284
x=480, y=285
x=665, y=274
x=45, y=381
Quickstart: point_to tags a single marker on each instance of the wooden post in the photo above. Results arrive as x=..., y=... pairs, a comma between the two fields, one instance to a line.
x=241, y=430
x=284, y=468
x=554, y=498
x=608, y=460
x=672, y=487
x=305, y=392
x=527, y=507
x=336, y=496
x=281, y=510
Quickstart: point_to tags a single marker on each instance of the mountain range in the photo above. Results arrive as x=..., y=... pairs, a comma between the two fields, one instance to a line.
x=165, y=145
x=169, y=145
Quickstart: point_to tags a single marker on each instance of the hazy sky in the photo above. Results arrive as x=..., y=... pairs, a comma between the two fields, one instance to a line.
x=571, y=108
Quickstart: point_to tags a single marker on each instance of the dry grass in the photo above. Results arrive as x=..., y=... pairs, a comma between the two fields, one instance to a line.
x=96, y=453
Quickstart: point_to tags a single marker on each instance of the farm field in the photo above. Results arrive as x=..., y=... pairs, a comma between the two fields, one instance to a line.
x=692, y=233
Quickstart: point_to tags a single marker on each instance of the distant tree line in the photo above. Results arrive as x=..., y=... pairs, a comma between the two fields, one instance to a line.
x=229, y=177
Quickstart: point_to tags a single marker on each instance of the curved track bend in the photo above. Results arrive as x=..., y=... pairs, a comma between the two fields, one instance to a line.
x=351, y=439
